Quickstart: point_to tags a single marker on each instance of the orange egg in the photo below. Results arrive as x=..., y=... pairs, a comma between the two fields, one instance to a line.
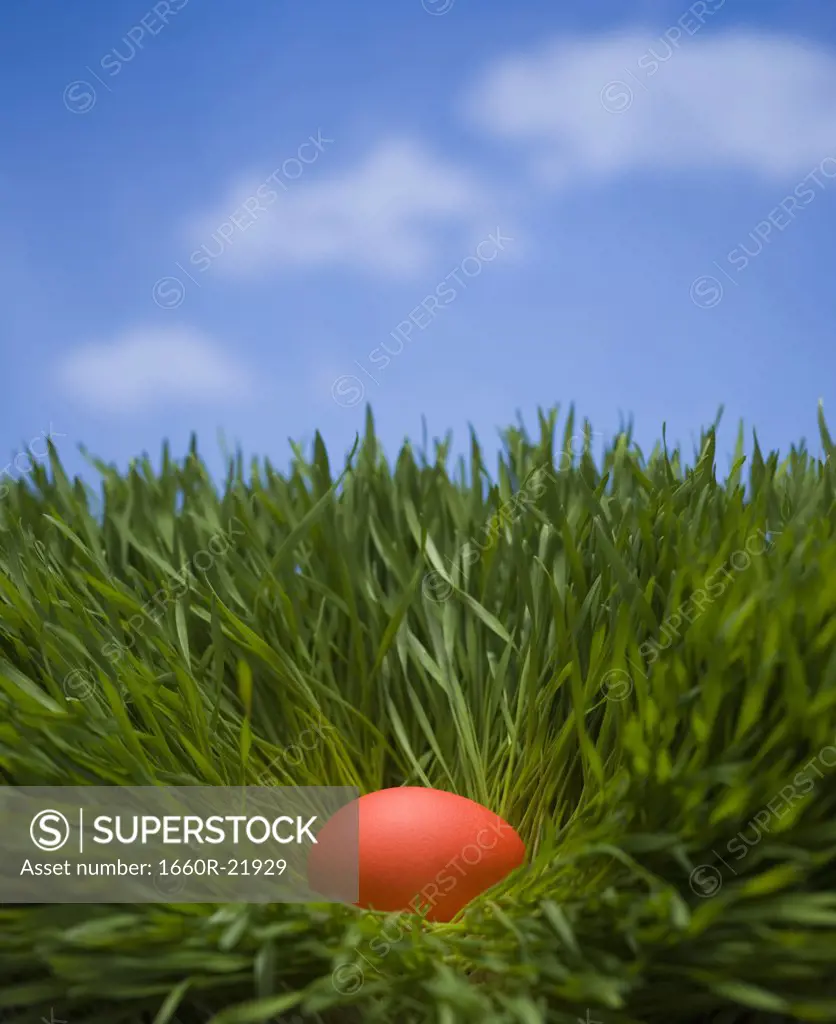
x=420, y=850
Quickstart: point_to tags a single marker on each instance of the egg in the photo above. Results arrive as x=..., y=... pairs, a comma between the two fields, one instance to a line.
x=420, y=850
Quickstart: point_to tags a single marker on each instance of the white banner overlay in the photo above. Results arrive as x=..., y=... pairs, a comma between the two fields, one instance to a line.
x=180, y=844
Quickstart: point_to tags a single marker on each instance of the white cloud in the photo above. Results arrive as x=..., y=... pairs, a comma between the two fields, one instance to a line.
x=146, y=368
x=386, y=216
x=761, y=104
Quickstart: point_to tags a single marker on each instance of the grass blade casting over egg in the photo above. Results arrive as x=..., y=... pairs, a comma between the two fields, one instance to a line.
x=628, y=658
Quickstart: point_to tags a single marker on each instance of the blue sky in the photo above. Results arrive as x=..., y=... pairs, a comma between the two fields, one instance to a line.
x=214, y=219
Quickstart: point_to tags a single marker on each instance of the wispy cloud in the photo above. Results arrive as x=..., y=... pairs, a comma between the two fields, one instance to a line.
x=146, y=368
x=386, y=217
x=584, y=109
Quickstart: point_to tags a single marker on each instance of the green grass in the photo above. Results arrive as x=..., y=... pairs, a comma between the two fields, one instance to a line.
x=539, y=687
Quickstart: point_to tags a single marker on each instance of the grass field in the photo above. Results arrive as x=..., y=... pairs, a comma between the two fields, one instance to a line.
x=633, y=662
